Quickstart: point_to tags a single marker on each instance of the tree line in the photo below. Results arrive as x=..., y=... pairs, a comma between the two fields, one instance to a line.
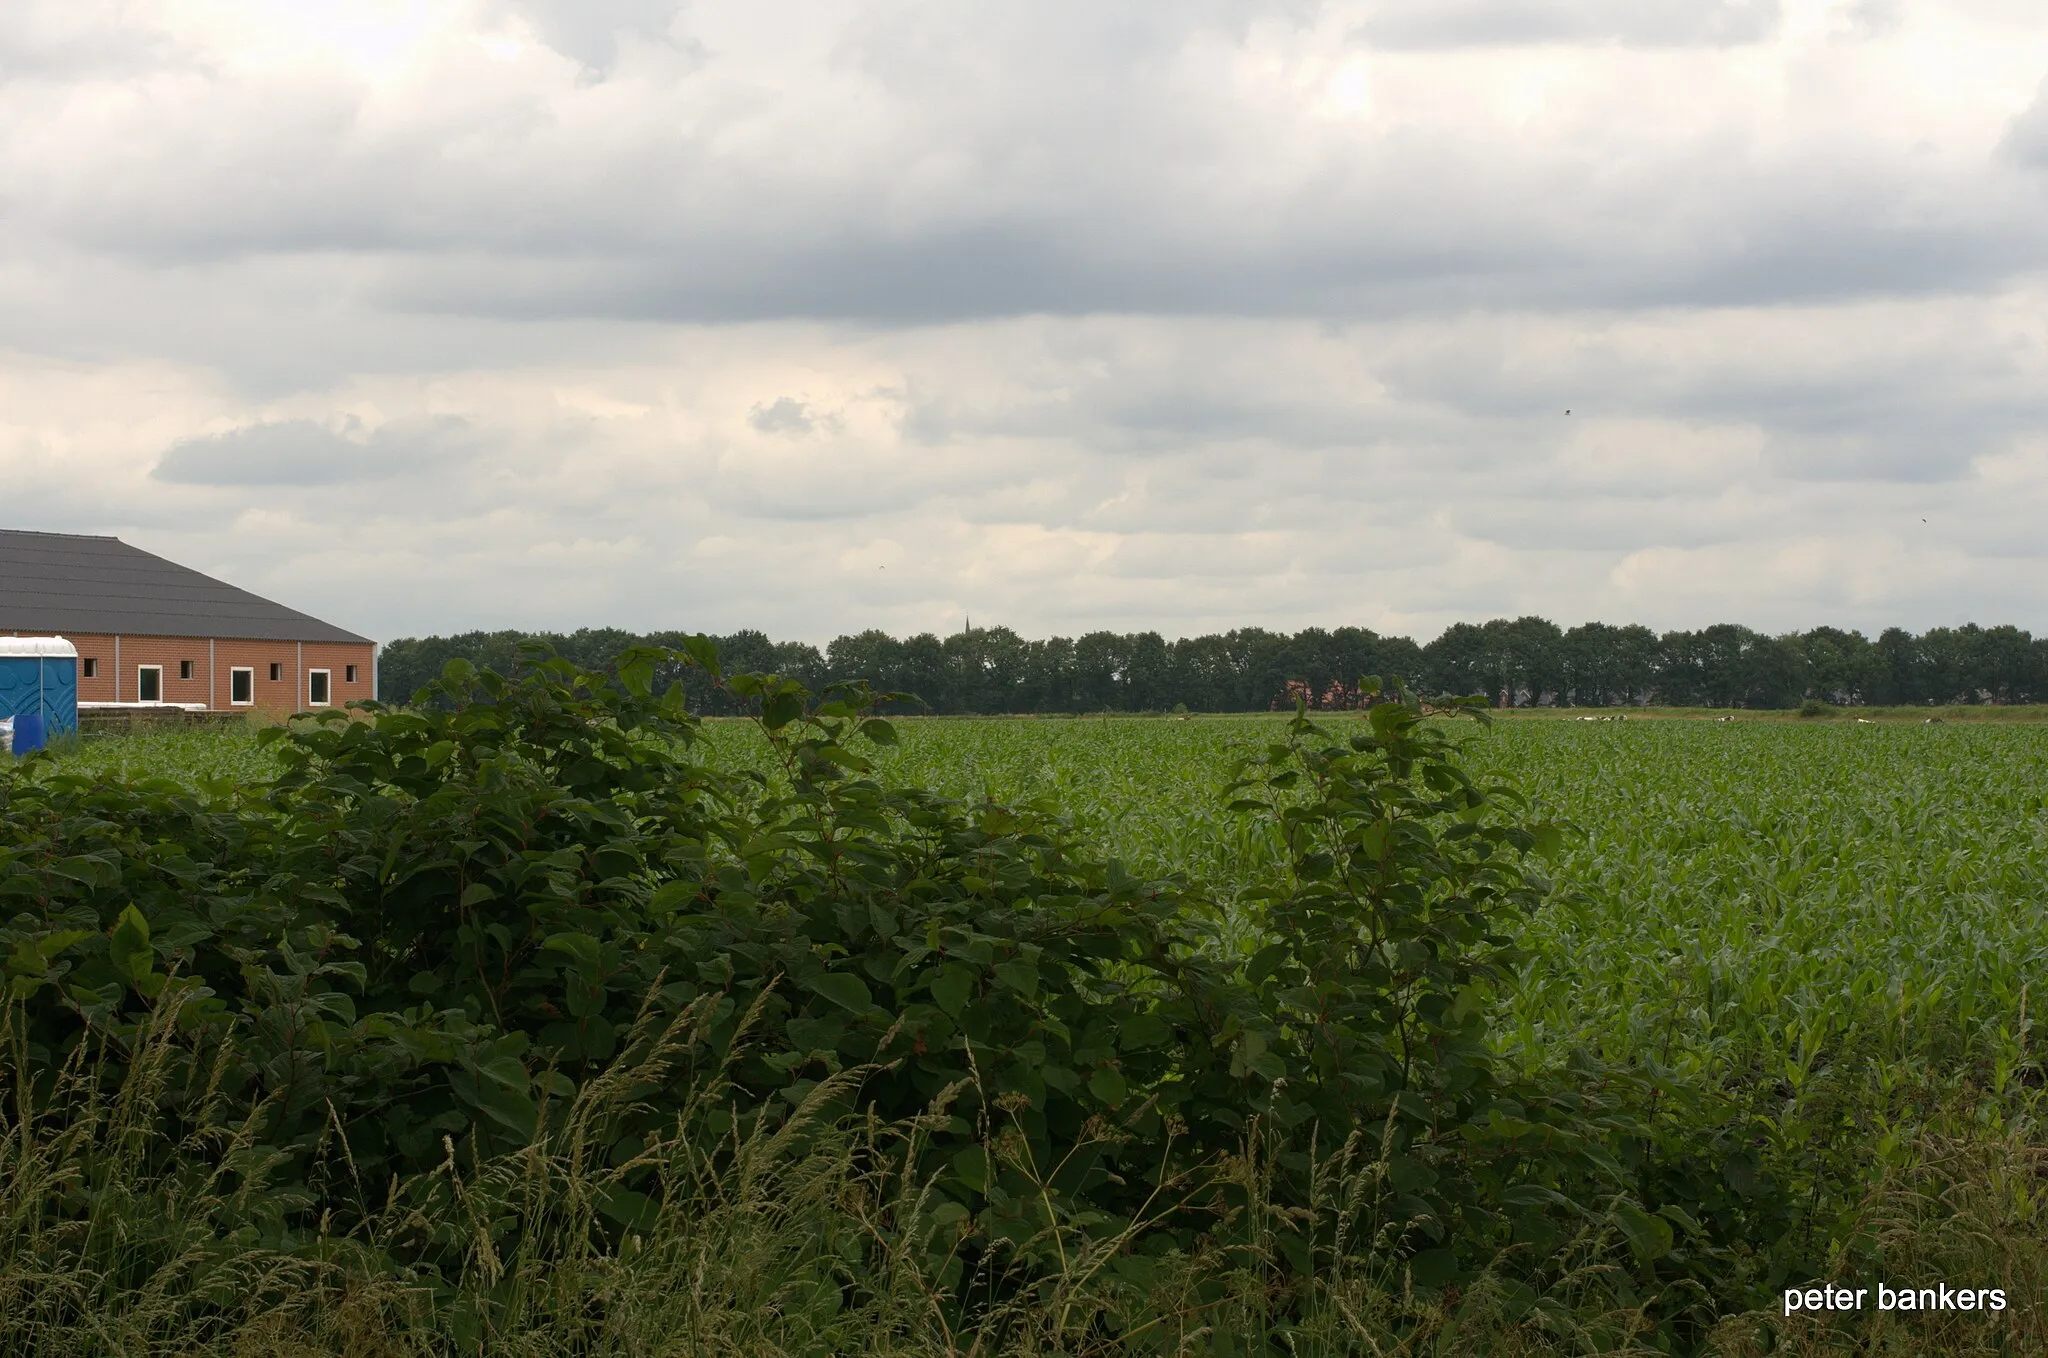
x=1522, y=662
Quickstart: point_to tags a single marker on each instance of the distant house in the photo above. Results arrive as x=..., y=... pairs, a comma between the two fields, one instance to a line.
x=148, y=630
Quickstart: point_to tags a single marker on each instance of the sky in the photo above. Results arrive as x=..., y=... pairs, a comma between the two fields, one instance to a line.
x=431, y=315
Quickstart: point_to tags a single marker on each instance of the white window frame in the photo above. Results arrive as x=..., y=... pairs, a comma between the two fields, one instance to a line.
x=327, y=682
x=249, y=701
x=141, y=670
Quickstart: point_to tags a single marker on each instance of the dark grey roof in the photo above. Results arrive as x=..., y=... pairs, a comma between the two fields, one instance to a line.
x=66, y=584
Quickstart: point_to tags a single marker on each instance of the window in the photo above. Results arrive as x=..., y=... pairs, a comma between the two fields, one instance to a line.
x=241, y=686
x=149, y=683
x=89, y=668
x=348, y=674
x=276, y=672
x=317, y=688
x=184, y=669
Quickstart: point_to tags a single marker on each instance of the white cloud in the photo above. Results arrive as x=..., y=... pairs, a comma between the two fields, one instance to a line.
x=427, y=314
x=1502, y=23
x=301, y=452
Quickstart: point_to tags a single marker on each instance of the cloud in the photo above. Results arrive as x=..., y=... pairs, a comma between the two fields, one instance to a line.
x=1436, y=24
x=1067, y=313
x=306, y=453
x=589, y=31
x=913, y=163
x=2026, y=140
x=783, y=415
x=50, y=43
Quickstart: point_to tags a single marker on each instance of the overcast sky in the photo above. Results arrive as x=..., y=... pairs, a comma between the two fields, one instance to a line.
x=1065, y=314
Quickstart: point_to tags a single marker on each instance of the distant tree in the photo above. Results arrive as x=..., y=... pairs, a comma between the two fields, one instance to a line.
x=408, y=664
x=1102, y=663
x=1775, y=672
x=1635, y=663
x=1358, y=651
x=1205, y=675
x=925, y=672
x=1259, y=661
x=1511, y=661
x=1897, y=673
x=1972, y=664
x=1837, y=664
x=987, y=668
x=1149, y=682
x=1532, y=666
x=1601, y=665
x=1457, y=662
x=873, y=656
x=1519, y=662
x=1588, y=655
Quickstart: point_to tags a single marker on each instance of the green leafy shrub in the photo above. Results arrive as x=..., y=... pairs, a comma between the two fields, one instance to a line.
x=439, y=929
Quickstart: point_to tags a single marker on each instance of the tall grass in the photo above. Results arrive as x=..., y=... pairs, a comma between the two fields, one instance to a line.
x=807, y=1241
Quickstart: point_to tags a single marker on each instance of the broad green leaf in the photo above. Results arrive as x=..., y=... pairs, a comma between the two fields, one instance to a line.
x=128, y=946
x=1021, y=977
x=1434, y=1268
x=1107, y=1084
x=845, y=990
x=951, y=988
x=971, y=1164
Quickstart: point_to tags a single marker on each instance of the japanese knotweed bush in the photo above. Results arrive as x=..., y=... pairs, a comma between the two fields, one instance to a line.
x=414, y=947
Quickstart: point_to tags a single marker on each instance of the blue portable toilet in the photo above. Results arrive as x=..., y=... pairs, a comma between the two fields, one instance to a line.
x=38, y=689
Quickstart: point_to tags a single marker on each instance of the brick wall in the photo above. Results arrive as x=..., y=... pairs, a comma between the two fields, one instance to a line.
x=212, y=663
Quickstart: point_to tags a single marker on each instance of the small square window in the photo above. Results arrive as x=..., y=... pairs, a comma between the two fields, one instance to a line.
x=184, y=669
x=89, y=668
x=348, y=674
x=276, y=672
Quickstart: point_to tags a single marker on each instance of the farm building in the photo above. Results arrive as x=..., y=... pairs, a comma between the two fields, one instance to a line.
x=149, y=631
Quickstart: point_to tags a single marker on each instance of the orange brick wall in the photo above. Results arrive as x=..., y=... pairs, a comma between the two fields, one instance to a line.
x=210, y=685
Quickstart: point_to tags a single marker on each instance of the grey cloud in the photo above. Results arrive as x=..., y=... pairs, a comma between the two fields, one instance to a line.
x=588, y=31
x=783, y=415
x=1902, y=394
x=1830, y=245
x=1927, y=455
x=1877, y=18
x=2026, y=140
x=83, y=38
x=1437, y=24
x=1008, y=160
x=306, y=453
x=1171, y=338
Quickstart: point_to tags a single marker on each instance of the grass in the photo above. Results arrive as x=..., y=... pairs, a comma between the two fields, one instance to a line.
x=194, y=755
x=751, y=1255
x=2007, y=714
x=1836, y=926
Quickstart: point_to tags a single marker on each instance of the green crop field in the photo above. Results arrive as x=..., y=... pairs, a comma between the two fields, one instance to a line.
x=1757, y=899
x=1823, y=934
